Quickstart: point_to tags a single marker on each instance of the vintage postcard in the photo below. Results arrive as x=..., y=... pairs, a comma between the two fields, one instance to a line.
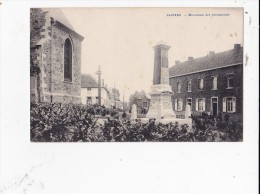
x=129, y=97
x=136, y=74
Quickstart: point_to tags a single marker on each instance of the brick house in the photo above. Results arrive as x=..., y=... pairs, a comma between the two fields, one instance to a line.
x=212, y=84
x=142, y=102
x=55, y=54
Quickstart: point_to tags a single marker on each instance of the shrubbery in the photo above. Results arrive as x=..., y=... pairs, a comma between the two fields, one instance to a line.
x=219, y=127
x=76, y=123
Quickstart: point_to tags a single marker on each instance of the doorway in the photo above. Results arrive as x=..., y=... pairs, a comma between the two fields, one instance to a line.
x=214, y=105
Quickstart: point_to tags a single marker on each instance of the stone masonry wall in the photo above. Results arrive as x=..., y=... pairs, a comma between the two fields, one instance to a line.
x=48, y=47
x=53, y=68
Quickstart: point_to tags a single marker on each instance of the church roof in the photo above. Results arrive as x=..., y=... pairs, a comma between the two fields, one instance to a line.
x=211, y=61
x=58, y=15
x=88, y=81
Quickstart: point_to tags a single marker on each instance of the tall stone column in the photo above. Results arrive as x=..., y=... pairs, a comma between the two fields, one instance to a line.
x=161, y=67
x=161, y=92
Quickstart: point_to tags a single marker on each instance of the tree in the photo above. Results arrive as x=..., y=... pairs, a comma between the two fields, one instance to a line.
x=137, y=95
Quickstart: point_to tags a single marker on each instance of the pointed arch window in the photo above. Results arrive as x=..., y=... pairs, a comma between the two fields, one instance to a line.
x=68, y=60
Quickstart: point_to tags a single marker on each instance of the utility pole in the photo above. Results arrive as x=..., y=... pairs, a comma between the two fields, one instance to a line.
x=99, y=86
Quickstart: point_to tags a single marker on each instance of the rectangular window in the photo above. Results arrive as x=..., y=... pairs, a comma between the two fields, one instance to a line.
x=96, y=99
x=229, y=104
x=200, y=104
x=214, y=83
x=145, y=104
x=88, y=89
x=230, y=81
x=89, y=100
x=179, y=87
x=200, y=101
x=189, y=102
x=200, y=84
x=178, y=104
x=189, y=86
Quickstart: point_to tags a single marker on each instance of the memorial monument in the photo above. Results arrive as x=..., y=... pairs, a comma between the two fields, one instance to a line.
x=161, y=92
x=133, y=112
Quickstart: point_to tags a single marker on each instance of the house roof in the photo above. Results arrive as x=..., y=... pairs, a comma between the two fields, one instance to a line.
x=88, y=81
x=211, y=61
x=58, y=15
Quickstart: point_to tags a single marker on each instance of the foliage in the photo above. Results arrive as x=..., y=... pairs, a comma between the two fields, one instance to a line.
x=133, y=99
x=218, y=128
x=78, y=123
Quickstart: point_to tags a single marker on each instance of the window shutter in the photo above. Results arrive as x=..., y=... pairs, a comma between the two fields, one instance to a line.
x=175, y=104
x=224, y=104
x=234, y=104
x=204, y=104
x=197, y=104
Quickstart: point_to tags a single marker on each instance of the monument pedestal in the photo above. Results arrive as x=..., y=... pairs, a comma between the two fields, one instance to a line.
x=161, y=93
x=161, y=103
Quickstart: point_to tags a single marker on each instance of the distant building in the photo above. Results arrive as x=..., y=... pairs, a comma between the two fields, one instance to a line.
x=55, y=51
x=115, y=98
x=213, y=83
x=142, y=102
x=89, y=91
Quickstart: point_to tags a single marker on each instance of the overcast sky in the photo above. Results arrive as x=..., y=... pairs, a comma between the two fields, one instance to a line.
x=120, y=40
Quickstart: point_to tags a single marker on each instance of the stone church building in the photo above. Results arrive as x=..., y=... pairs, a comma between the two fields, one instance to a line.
x=55, y=57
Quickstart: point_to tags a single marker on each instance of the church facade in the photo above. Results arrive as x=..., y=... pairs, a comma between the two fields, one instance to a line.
x=55, y=57
x=212, y=84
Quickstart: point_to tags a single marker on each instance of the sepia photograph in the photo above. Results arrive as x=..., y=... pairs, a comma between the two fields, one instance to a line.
x=136, y=74
x=145, y=97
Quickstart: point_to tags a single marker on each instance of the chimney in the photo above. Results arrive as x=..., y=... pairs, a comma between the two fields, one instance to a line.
x=177, y=62
x=237, y=46
x=211, y=53
x=190, y=58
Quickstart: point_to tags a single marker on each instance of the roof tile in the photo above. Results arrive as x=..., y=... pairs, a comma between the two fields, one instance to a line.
x=87, y=81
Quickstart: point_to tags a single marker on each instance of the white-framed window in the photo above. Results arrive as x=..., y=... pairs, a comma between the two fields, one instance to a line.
x=200, y=83
x=229, y=104
x=189, y=102
x=179, y=87
x=200, y=104
x=189, y=86
x=178, y=104
x=89, y=100
x=230, y=81
x=214, y=83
